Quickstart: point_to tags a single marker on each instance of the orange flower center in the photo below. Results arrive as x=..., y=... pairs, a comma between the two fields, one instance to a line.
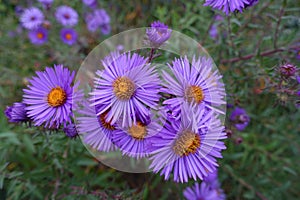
x=40, y=35
x=56, y=97
x=68, y=36
x=105, y=124
x=123, y=88
x=194, y=93
x=138, y=131
x=188, y=142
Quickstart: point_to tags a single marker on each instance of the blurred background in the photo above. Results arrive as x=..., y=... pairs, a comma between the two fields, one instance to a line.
x=252, y=49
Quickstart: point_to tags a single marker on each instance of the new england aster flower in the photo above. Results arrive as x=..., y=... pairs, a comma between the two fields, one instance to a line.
x=49, y=97
x=71, y=130
x=68, y=36
x=46, y=2
x=194, y=83
x=188, y=147
x=95, y=130
x=287, y=70
x=99, y=19
x=16, y=113
x=158, y=33
x=128, y=85
x=230, y=5
x=135, y=140
x=66, y=15
x=240, y=118
x=38, y=36
x=32, y=18
x=202, y=191
x=90, y=3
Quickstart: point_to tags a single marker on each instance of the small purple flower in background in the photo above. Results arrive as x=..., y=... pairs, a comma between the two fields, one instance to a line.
x=202, y=191
x=127, y=85
x=49, y=97
x=66, y=15
x=105, y=29
x=213, y=31
x=19, y=10
x=70, y=130
x=240, y=118
x=188, y=147
x=95, y=129
x=194, y=83
x=90, y=3
x=16, y=113
x=287, y=70
x=32, y=18
x=228, y=6
x=68, y=36
x=46, y=3
x=158, y=33
x=38, y=36
x=99, y=19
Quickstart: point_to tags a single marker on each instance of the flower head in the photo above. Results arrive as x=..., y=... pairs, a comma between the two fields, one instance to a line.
x=70, y=130
x=195, y=83
x=38, y=36
x=96, y=131
x=90, y=3
x=66, y=15
x=240, y=118
x=16, y=113
x=68, y=36
x=46, y=2
x=188, y=147
x=49, y=97
x=98, y=19
x=128, y=85
x=287, y=70
x=32, y=18
x=203, y=191
x=228, y=6
x=158, y=33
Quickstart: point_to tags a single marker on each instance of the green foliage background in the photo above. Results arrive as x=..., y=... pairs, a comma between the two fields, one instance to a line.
x=35, y=165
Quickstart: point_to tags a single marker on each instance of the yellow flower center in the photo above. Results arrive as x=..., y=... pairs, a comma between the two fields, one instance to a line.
x=56, y=97
x=186, y=143
x=40, y=35
x=138, y=131
x=194, y=93
x=123, y=88
x=105, y=124
x=68, y=36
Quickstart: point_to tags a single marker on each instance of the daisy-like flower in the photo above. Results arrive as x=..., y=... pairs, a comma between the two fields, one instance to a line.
x=127, y=85
x=158, y=33
x=66, y=15
x=98, y=19
x=49, y=97
x=96, y=131
x=135, y=140
x=32, y=18
x=194, y=83
x=70, y=130
x=90, y=3
x=202, y=191
x=240, y=118
x=228, y=6
x=46, y=2
x=188, y=147
x=16, y=113
x=68, y=36
x=287, y=70
x=38, y=36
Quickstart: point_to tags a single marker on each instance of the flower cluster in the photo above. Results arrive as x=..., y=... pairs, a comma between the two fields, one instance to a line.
x=48, y=101
x=38, y=24
x=228, y=6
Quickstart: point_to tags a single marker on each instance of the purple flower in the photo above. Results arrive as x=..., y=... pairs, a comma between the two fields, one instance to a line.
x=95, y=129
x=194, y=83
x=127, y=85
x=229, y=5
x=240, y=118
x=32, y=18
x=90, y=3
x=70, y=131
x=49, y=97
x=213, y=32
x=105, y=29
x=158, y=33
x=98, y=19
x=68, y=36
x=135, y=140
x=46, y=2
x=66, y=15
x=188, y=147
x=287, y=70
x=38, y=36
x=202, y=191
x=16, y=113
